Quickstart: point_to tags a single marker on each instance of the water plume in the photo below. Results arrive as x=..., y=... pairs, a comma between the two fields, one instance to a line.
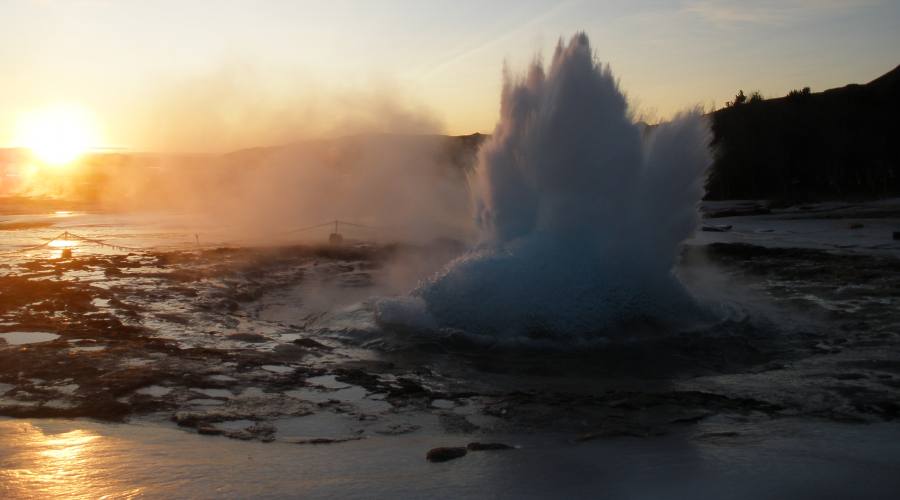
x=581, y=213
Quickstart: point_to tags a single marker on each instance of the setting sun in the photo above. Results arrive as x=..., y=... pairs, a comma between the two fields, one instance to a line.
x=57, y=135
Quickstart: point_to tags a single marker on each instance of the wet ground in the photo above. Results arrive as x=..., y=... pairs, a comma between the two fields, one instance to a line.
x=281, y=344
x=779, y=459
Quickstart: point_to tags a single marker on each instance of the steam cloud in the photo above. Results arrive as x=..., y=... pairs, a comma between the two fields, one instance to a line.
x=581, y=213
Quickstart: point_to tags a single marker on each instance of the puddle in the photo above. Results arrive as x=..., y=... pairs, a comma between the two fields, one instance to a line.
x=66, y=389
x=93, y=348
x=277, y=368
x=252, y=392
x=234, y=425
x=350, y=394
x=156, y=391
x=443, y=404
x=22, y=338
x=136, y=362
x=205, y=402
x=58, y=404
x=327, y=381
x=214, y=393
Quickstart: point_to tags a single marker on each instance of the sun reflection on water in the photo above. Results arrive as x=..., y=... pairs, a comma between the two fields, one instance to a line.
x=63, y=243
x=62, y=247
x=74, y=464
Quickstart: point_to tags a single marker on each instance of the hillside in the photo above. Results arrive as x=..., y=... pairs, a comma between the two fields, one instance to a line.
x=840, y=143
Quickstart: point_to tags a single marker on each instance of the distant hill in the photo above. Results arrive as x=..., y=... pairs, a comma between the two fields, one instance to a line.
x=157, y=178
x=454, y=151
x=840, y=143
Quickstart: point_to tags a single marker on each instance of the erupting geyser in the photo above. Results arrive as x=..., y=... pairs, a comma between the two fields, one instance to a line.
x=581, y=213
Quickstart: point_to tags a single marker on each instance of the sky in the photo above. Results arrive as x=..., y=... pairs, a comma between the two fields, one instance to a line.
x=211, y=75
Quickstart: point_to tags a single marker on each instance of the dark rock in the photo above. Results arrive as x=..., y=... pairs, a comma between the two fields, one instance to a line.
x=289, y=352
x=445, y=454
x=355, y=376
x=488, y=446
x=718, y=435
x=311, y=344
x=408, y=388
x=691, y=419
x=325, y=440
x=228, y=305
x=248, y=337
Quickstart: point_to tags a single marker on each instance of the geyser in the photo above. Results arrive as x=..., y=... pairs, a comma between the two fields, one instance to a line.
x=581, y=213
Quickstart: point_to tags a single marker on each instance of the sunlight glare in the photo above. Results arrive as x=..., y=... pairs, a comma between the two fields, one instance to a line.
x=57, y=135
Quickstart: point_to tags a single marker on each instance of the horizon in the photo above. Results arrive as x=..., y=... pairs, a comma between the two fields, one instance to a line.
x=92, y=150
x=241, y=75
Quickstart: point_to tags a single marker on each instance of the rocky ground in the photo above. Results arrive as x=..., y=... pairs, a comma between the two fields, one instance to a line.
x=246, y=343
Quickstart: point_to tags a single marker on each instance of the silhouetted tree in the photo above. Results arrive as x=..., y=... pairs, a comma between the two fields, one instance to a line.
x=799, y=94
x=739, y=99
x=756, y=97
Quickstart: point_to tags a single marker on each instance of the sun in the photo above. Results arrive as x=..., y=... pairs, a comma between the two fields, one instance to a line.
x=57, y=135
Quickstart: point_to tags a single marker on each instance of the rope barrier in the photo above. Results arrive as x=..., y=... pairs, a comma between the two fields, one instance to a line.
x=309, y=228
x=69, y=236
x=336, y=223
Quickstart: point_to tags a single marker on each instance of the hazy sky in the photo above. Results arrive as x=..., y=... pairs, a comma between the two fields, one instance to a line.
x=431, y=65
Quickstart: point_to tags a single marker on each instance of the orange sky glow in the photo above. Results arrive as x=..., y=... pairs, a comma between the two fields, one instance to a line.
x=211, y=76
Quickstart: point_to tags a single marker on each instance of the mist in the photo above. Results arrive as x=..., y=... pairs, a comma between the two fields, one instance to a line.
x=240, y=105
x=259, y=158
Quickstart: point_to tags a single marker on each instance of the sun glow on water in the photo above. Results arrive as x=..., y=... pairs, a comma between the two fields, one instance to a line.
x=63, y=243
x=45, y=464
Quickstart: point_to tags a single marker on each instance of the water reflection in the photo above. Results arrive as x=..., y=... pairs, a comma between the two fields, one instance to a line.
x=63, y=243
x=61, y=248
x=783, y=459
x=73, y=464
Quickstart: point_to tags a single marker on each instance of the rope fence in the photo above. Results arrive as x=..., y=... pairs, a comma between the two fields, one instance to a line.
x=70, y=236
